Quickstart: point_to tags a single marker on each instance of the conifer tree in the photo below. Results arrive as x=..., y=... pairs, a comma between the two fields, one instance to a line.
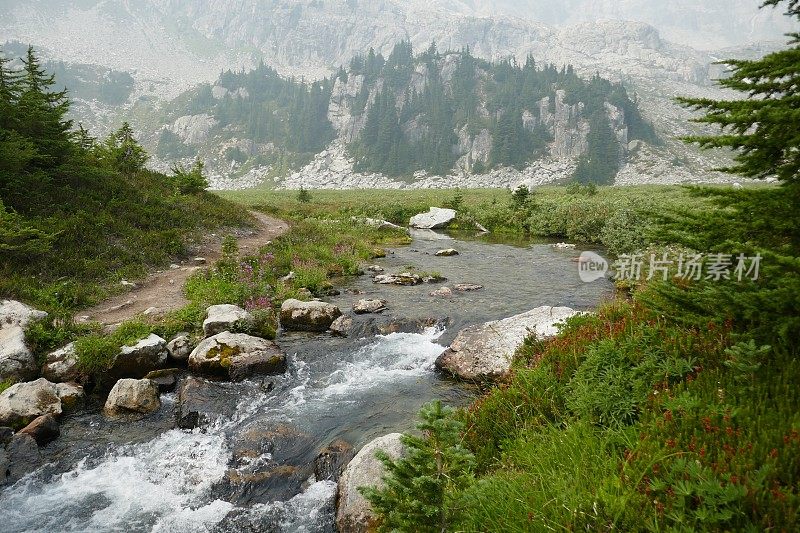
x=764, y=128
x=123, y=152
x=419, y=486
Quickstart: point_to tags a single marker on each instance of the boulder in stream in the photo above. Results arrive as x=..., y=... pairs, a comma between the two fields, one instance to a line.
x=404, y=278
x=237, y=356
x=201, y=402
x=137, y=361
x=341, y=326
x=485, y=351
x=354, y=513
x=21, y=403
x=44, y=429
x=365, y=306
x=308, y=316
x=224, y=317
x=134, y=397
x=61, y=366
x=443, y=292
x=332, y=460
x=435, y=218
x=19, y=457
x=180, y=347
x=447, y=252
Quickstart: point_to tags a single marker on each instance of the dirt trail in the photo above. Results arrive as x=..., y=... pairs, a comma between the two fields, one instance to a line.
x=162, y=291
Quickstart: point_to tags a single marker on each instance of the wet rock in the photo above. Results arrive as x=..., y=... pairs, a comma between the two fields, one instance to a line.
x=21, y=457
x=308, y=316
x=136, y=361
x=132, y=397
x=365, y=306
x=269, y=463
x=71, y=395
x=237, y=356
x=354, y=513
x=404, y=278
x=371, y=325
x=435, y=218
x=17, y=362
x=180, y=347
x=166, y=380
x=44, y=430
x=448, y=252
x=201, y=402
x=467, y=287
x=444, y=292
x=375, y=269
x=332, y=460
x=224, y=317
x=5, y=435
x=21, y=403
x=61, y=366
x=341, y=326
x=485, y=351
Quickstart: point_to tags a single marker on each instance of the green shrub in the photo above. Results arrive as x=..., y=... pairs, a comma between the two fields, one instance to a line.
x=96, y=352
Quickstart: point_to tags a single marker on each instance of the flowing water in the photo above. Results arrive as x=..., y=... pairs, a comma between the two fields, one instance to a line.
x=147, y=476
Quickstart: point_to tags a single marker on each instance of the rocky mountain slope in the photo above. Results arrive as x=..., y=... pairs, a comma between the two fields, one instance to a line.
x=170, y=45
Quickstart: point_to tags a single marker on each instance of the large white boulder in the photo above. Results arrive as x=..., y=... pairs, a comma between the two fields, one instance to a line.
x=485, y=351
x=308, y=316
x=14, y=313
x=223, y=317
x=237, y=356
x=435, y=218
x=61, y=366
x=140, y=359
x=21, y=403
x=354, y=513
x=132, y=397
x=17, y=362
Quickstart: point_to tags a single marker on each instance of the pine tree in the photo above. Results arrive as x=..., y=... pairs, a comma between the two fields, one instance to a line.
x=418, y=495
x=765, y=127
x=42, y=113
x=123, y=152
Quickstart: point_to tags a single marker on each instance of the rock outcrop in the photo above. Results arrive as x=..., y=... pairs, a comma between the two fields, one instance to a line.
x=132, y=397
x=485, y=351
x=224, y=317
x=435, y=218
x=21, y=403
x=237, y=356
x=308, y=316
x=354, y=513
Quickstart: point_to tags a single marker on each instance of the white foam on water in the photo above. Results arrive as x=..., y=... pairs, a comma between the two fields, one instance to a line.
x=310, y=511
x=164, y=483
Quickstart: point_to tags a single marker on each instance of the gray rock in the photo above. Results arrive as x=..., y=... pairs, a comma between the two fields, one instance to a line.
x=341, y=326
x=354, y=513
x=14, y=313
x=485, y=351
x=443, y=292
x=435, y=218
x=17, y=362
x=308, y=316
x=180, y=347
x=22, y=457
x=404, y=278
x=5, y=435
x=44, y=430
x=467, y=287
x=201, y=402
x=132, y=397
x=61, y=366
x=332, y=460
x=166, y=380
x=448, y=252
x=365, y=306
x=138, y=360
x=237, y=356
x=223, y=317
x=21, y=403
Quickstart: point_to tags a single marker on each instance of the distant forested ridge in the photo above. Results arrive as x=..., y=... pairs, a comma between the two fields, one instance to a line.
x=434, y=112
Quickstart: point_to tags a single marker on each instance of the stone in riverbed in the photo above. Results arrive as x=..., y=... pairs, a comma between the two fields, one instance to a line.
x=21, y=403
x=138, y=360
x=132, y=397
x=201, y=402
x=308, y=316
x=404, y=278
x=365, y=306
x=224, y=317
x=332, y=460
x=449, y=252
x=166, y=380
x=444, y=292
x=467, y=287
x=435, y=218
x=180, y=347
x=21, y=456
x=485, y=351
x=341, y=326
x=237, y=356
x=354, y=513
x=44, y=429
